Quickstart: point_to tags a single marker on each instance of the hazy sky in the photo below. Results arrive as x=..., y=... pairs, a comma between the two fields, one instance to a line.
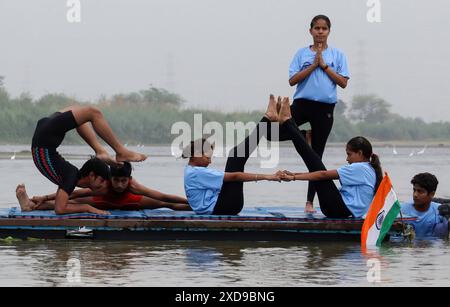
x=225, y=55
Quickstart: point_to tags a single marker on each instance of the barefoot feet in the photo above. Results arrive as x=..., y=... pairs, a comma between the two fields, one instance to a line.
x=25, y=203
x=279, y=104
x=271, y=113
x=285, y=111
x=130, y=156
x=106, y=157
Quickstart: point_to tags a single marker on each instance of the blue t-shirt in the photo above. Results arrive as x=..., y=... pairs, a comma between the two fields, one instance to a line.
x=426, y=222
x=202, y=186
x=357, y=187
x=318, y=86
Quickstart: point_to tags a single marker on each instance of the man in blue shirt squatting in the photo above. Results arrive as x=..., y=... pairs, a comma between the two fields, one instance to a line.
x=429, y=223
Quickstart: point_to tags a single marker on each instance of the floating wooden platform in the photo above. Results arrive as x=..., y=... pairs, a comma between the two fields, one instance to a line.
x=261, y=223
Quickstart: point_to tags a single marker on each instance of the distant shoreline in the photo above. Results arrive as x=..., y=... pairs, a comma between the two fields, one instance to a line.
x=399, y=144
x=26, y=154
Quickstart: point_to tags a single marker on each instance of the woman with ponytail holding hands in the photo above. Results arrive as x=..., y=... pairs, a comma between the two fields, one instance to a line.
x=315, y=71
x=359, y=179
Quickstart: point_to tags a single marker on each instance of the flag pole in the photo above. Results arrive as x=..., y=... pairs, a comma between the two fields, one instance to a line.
x=403, y=224
x=401, y=215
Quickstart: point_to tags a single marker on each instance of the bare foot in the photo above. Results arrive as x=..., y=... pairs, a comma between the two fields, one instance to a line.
x=309, y=208
x=285, y=112
x=279, y=105
x=130, y=156
x=25, y=203
x=105, y=157
x=271, y=112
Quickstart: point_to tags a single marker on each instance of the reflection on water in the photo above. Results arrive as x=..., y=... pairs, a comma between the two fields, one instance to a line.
x=205, y=263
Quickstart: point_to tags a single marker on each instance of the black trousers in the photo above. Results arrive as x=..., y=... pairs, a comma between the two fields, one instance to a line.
x=321, y=117
x=330, y=199
x=231, y=197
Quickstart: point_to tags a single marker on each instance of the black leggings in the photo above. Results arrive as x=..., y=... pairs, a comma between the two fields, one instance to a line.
x=320, y=116
x=330, y=199
x=231, y=197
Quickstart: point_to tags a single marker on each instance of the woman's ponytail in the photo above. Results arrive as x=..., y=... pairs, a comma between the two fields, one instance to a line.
x=376, y=164
x=361, y=143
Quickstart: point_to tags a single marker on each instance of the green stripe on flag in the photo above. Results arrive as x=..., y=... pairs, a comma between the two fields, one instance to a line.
x=388, y=221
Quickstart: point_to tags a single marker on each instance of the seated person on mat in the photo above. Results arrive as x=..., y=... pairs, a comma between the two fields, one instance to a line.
x=217, y=192
x=359, y=180
x=122, y=193
x=49, y=134
x=429, y=222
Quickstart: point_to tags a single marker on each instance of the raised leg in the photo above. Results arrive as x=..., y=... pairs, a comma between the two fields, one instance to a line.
x=321, y=124
x=330, y=199
x=231, y=198
x=93, y=115
x=88, y=134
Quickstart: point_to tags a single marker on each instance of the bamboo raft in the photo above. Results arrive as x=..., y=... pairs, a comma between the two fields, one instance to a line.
x=261, y=223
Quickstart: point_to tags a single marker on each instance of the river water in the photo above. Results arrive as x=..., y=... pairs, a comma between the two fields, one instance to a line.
x=207, y=263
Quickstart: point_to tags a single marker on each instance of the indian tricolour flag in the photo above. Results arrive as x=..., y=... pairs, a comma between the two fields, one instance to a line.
x=382, y=214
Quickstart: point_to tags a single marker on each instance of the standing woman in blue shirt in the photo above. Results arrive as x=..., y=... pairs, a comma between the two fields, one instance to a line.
x=316, y=70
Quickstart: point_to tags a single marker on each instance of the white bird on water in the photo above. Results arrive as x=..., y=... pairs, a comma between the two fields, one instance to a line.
x=422, y=151
x=13, y=157
x=394, y=150
x=412, y=153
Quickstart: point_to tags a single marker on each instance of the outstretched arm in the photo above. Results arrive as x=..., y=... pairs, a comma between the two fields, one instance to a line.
x=247, y=177
x=139, y=189
x=39, y=200
x=62, y=205
x=314, y=176
x=81, y=193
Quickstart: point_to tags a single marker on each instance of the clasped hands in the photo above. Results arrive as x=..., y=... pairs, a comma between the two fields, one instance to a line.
x=319, y=61
x=284, y=176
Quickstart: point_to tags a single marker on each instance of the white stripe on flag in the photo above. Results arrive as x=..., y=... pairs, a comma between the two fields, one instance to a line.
x=374, y=232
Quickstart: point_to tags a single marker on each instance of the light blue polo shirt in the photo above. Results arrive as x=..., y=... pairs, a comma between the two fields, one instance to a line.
x=357, y=187
x=426, y=222
x=202, y=186
x=318, y=86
